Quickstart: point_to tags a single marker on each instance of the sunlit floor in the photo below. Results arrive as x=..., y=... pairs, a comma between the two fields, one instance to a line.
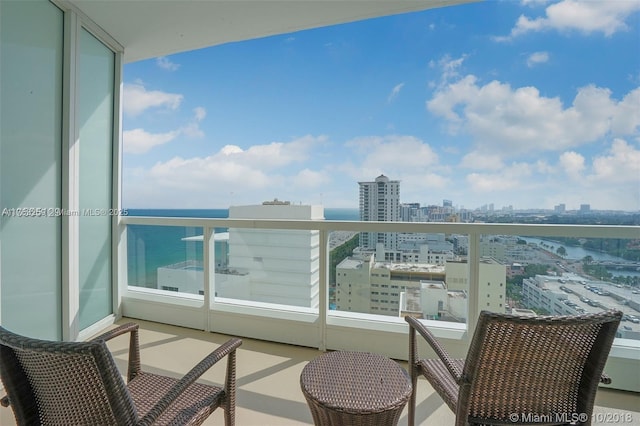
x=268, y=379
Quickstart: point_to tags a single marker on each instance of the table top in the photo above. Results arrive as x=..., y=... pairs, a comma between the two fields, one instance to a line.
x=355, y=382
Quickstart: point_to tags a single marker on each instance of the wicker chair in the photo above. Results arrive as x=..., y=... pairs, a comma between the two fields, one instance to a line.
x=77, y=383
x=520, y=370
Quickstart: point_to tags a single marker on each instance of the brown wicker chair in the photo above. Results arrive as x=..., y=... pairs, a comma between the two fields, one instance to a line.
x=77, y=383
x=519, y=370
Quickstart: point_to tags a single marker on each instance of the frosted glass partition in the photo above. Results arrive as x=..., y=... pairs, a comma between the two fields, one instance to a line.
x=31, y=35
x=96, y=138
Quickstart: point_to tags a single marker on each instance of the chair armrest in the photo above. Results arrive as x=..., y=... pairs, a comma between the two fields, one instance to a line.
x=133, y=367
x=227, y=348
x=121, y=329
x=440, y=351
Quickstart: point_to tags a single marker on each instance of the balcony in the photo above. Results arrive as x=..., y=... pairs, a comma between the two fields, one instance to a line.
x=269, y=373
x=63, y=286
x=322, y=325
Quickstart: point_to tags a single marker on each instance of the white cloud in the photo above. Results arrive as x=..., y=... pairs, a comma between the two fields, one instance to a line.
x=136, y=99
x=232, y=165
x=397, y=151
x=478, y=161
x=395, y=92
x=606, y=17
x=573, y=164
x=139, y=141
x=535, y=2
x=449, y=68
x=537, y=58
x=233, y=175
x=627, y=116
x=620, y=164
x=274, y=155
x=612, y=178
x=311, y=179
x=511, y=121
x=508, y=178
x=200, y=113
x=192, y=128
x=164, y=63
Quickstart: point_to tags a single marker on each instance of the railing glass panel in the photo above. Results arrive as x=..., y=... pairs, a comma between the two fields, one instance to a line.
x=568, y=276
x=405, y=273
x=274, y=266
x=166, y=258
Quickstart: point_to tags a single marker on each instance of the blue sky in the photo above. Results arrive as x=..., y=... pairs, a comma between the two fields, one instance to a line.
x=526, y=104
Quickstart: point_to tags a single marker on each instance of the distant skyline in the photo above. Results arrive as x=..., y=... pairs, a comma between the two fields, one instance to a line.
x=530, y=104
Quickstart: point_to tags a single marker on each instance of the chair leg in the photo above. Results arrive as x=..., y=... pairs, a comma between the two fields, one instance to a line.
x=411, y=420
x=230, y=408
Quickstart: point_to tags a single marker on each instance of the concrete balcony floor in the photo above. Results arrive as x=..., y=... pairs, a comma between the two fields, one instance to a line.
x=268, y=378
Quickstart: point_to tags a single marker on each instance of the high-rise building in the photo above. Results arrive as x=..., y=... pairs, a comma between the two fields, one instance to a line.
x=379, y=201
x=410, y=212
x=273, y=265
x=560, y=208
x=585, y=208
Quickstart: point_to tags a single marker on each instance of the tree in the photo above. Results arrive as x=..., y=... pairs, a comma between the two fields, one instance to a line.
x=587, y=259
x=562, y=252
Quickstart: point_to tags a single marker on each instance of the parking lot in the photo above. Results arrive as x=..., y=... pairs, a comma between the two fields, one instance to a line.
x=593, y=296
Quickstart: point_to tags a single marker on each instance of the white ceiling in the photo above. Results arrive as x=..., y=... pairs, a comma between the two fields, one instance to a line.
x=151, y=28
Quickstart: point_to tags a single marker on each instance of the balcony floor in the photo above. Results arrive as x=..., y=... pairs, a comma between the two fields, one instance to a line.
x=268, y=376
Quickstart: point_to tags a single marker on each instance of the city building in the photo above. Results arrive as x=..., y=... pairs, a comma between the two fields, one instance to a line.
x=432, y=300
x=188, y=276
x=367, y=286
x=273, y=266
x=585, y=208
x=410, y=211
x=540, y=295
x=491, y=282
x=379, y=201
x=560, y=208
x=515, y=269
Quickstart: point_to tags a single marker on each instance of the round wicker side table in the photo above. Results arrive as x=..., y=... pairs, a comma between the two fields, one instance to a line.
x=355, y=388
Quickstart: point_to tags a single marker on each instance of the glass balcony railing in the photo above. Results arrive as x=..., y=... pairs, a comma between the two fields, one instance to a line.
x=445, y=272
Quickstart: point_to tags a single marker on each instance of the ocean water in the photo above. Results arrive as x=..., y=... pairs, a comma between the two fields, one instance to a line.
x=150, y=247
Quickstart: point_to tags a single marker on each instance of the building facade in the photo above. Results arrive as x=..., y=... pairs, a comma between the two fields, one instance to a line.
x=273, y=266
x=379, y=201
x=492, y=282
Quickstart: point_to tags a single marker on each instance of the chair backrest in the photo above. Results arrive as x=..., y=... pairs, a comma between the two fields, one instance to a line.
x=63, y=383
x=519, y=367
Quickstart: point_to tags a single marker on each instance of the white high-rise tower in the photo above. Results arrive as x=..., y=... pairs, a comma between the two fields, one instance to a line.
x=273, y=265
x=379, y=201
